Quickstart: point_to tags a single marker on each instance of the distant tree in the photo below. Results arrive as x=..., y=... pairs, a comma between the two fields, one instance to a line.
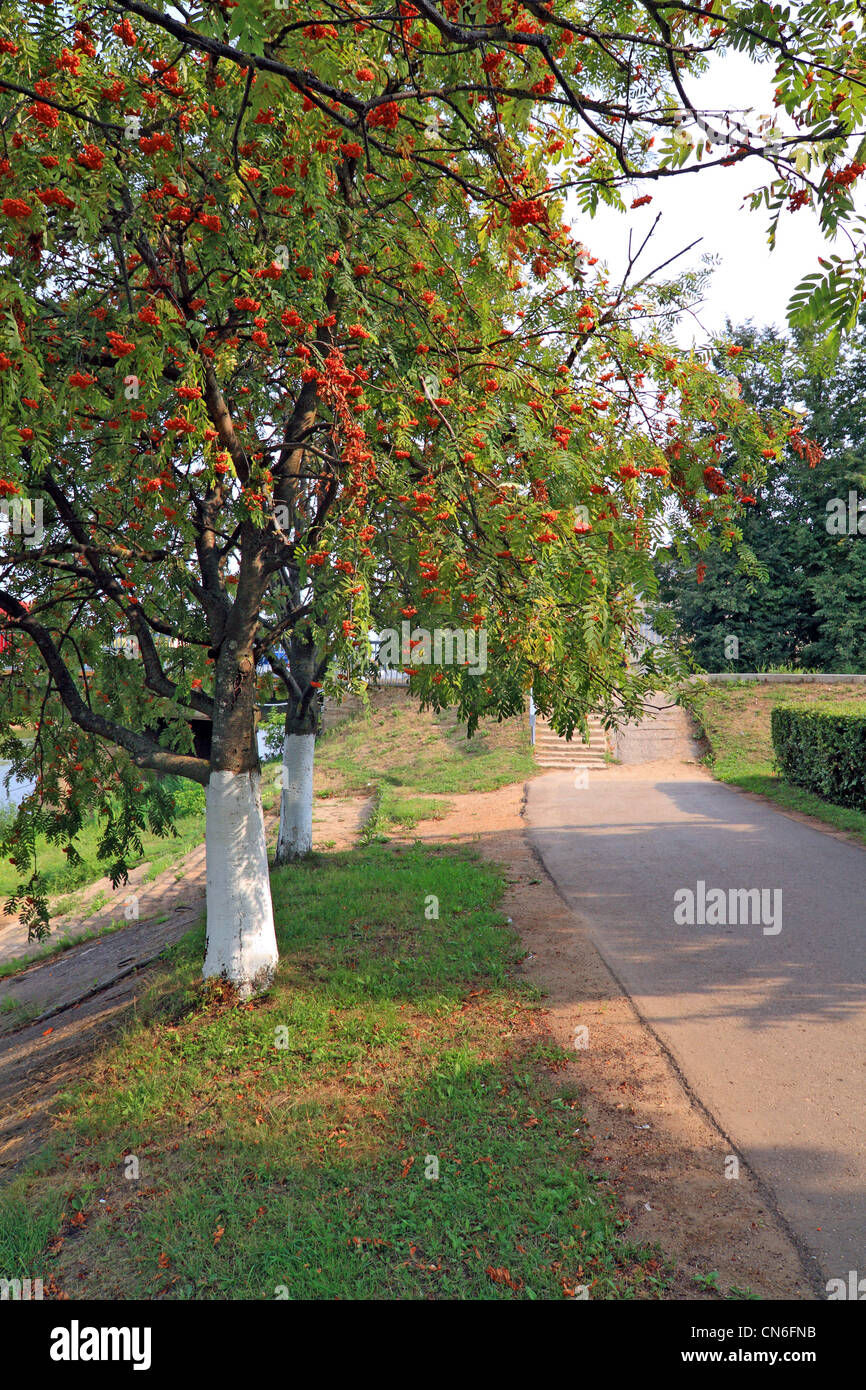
x=795, y=592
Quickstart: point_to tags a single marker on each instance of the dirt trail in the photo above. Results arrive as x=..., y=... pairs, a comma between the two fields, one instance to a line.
x=75, y=999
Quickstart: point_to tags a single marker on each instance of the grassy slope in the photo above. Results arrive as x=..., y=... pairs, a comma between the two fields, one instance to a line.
x=736, y=720
x=61, y=878
x=418, y=760
x=65, y=884
x=296, y=1159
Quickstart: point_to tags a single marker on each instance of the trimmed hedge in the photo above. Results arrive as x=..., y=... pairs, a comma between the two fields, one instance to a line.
x=823, y=750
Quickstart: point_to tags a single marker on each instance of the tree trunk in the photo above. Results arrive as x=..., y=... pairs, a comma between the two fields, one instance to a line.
x=241, y=942
x=299, y=742
x=296, y=801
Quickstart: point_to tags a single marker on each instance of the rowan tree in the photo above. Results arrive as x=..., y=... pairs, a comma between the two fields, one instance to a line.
x=298, y=341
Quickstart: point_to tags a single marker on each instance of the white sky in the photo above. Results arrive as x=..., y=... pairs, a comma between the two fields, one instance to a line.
x=751, y=281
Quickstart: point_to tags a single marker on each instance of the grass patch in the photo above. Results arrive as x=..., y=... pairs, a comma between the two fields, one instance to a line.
x=735, y=718
x=406, y=811
x=15, y=1013
x=288, y=1148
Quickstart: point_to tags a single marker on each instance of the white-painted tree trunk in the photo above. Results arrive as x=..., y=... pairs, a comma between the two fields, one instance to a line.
x=296, y=801
x=241, y=943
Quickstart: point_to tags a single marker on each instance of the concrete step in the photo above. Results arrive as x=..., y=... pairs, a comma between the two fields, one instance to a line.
x=570, y=749
x=599, y=766
x=569, y=758
x=548, y=742
x=542, y=729
x=571, y=755
x=596, y=769
x=559, y=754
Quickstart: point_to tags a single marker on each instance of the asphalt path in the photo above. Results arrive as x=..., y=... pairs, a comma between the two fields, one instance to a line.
x=765, y=1015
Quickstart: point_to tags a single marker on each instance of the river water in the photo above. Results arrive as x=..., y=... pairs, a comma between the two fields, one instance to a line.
x=11, y=795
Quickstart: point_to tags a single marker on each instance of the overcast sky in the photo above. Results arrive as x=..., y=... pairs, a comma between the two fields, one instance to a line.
x=751, y=280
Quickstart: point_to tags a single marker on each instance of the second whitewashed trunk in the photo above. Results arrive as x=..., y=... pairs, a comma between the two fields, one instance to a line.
x=296, y=801
x=241, y=942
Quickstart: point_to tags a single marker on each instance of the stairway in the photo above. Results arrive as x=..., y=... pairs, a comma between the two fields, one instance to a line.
x=551, y=750
x=664, y=732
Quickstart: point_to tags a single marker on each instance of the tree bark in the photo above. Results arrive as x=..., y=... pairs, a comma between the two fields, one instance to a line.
x=295, y=836
x=241, y=942
x=299, y=742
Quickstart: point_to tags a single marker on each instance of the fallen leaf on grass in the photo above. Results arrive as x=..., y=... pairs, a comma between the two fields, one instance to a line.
x=503, y=1276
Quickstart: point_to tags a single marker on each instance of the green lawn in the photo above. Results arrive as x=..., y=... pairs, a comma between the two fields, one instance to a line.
x=735, y=718
x=289, y=1147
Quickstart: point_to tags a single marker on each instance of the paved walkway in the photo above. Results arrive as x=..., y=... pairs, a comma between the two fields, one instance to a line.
x=768, y=1027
